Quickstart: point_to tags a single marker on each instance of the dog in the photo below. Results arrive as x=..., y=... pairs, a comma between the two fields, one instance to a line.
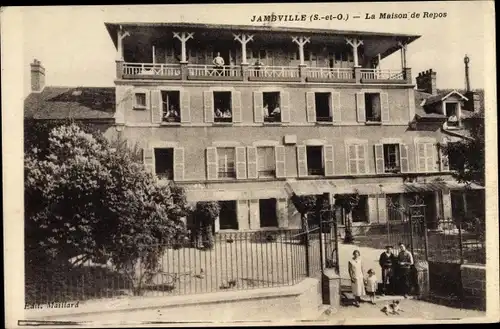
x=393, y=308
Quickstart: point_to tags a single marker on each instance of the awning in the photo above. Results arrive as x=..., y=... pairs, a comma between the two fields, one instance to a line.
x=429, y=187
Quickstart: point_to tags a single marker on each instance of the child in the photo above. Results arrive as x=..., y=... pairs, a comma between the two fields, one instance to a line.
x=371, y=285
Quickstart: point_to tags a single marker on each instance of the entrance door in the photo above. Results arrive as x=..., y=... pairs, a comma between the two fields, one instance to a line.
x=228, y=219
x=430, y=210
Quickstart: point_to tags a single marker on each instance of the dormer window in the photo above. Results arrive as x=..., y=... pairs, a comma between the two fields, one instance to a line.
x=452, y=115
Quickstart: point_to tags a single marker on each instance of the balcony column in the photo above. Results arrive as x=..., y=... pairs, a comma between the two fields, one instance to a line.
x=301, y=41
x=119, y=43
x=243, y=39
x=183, y=38
x=403, y=47
x=355, y=43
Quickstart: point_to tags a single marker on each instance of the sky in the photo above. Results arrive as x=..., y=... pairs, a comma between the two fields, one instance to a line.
x=76, y=50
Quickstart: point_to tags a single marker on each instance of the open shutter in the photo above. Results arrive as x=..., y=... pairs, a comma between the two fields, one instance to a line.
x=384, y=107
x=252, y=162
x=310, y=107
x=279, y=152
x=242, y=214
x=212, y=163
x=208, y=106
x=379, y=158
x=335, y=107
x=282, y=213
x=360, y=107
x=430, y=157
x=236, y=106
x=258, y=107
x=241, y=164
x=285, y=106
x=403, y=157
x=362, y=160
x=382, y=208
x=179, y=164
x=185, y=106
x=302, y=160
x=149, y=159
x=329, y=160
x=254, y=214
x=351, y=156
x=421, y=157
x=156, y=107
x=443, y=158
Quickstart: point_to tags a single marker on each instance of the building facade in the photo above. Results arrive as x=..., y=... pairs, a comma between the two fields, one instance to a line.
x=235, y=114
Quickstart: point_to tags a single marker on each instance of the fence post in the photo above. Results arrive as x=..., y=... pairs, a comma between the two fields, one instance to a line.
x=306, y=227
x=411, y=231
x=426, y=242
x=460, y=241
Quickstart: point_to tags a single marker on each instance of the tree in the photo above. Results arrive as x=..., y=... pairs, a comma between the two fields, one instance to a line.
x=205, y=214
x=468, y=155
x=346, y=202
x=86, y=198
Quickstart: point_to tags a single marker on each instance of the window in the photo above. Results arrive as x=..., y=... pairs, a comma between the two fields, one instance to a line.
x=315, y=160
x=171, y=106
x=357, y=160
x=272, y=110
x=360, y=212
x=266, y=161
x=323, y=111
x=391, y=158
x=226, y=159
x=395, y=210
x=164, y=163
x=222, y=106
x=452, y=114
x=140, y=101
x=228, y=219
x=372, y=107
x=426, y=156
x=267, y=212
x=455, y=158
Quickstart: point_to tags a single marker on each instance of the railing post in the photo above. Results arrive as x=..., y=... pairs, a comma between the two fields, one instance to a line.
x=407, y=74
x=184, y=70
x=357, y=74
x=302, y=72
x=119, y=69
x=244, y=71
x=460, y=241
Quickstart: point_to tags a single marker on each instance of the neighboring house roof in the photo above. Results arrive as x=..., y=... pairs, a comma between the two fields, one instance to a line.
x=441, y=97
x=422, y=99
x=81, y=103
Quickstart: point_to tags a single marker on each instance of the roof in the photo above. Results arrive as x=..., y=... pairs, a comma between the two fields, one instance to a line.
x=441, y=96
x=88, y=103
x=421, y=96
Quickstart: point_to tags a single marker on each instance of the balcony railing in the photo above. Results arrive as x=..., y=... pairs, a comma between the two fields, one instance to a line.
x=375, y=74
x=280, y=72
x=135, y=69
x=328, y=73
x=196, y=70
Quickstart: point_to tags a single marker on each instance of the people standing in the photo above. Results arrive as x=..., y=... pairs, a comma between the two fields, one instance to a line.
x=356, y=274
x=371, y=285
x=219, y=64
x=405, y=262
x=387, y=261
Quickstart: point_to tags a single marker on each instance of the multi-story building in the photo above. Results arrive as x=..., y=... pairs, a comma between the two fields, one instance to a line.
x=234, y=113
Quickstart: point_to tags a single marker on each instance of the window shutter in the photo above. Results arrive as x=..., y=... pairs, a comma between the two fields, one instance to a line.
x=241, y=164
x=429, y=157
x=360, y=107
x=254, y=214
x=335, y=107
x=379, y=158
x=384, y=107
x=280, y=161
x=156, y=107
x=382, y=208
x=185, y=106
x=282, y=213
x=242, y=214
x=179, y=164
x=421, y=157
x=310, y=107
x=208, y=106
x=285, y=106
x=212, y=163
x=258, y=107
x=444, y=161
x=362, y=163
x=329, y=160
x=149, y=160
x=302, y=160
x=236, y=106
x=351, y=156
x=403, y=158
x=252, y=162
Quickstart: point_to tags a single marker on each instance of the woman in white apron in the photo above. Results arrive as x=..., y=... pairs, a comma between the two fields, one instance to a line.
x=357, y=277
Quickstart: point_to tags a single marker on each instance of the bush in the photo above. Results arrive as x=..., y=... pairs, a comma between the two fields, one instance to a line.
x=205, y=215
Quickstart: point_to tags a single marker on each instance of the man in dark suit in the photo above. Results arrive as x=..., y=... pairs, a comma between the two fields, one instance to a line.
x=387, y=262
x=405, y=262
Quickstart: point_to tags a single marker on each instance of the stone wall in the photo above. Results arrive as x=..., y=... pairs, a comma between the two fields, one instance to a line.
x=474, y=284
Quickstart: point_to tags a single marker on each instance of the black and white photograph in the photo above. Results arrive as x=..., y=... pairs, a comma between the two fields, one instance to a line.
x=263, y=164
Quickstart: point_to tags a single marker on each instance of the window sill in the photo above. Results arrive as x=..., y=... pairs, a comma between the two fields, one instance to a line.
x=167, y=123
x=223, y=123
x=324, y=123
x=373, y=123
x=140, y=108
x=275, y=123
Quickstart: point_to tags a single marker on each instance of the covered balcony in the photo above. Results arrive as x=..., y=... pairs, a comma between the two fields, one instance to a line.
x=243, y=53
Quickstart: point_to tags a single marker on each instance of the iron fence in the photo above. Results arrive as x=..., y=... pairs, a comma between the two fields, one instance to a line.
x=237, y=261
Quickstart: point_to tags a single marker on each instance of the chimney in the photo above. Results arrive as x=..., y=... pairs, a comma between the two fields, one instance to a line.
x=37, y=76
x=473, y=102
x=426, y=81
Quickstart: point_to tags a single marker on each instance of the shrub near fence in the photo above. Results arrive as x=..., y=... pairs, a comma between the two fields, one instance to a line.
x=238, y=260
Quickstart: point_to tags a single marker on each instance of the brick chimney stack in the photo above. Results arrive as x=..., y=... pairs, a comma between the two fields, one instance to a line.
x=37, y=76
x=426, y=81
